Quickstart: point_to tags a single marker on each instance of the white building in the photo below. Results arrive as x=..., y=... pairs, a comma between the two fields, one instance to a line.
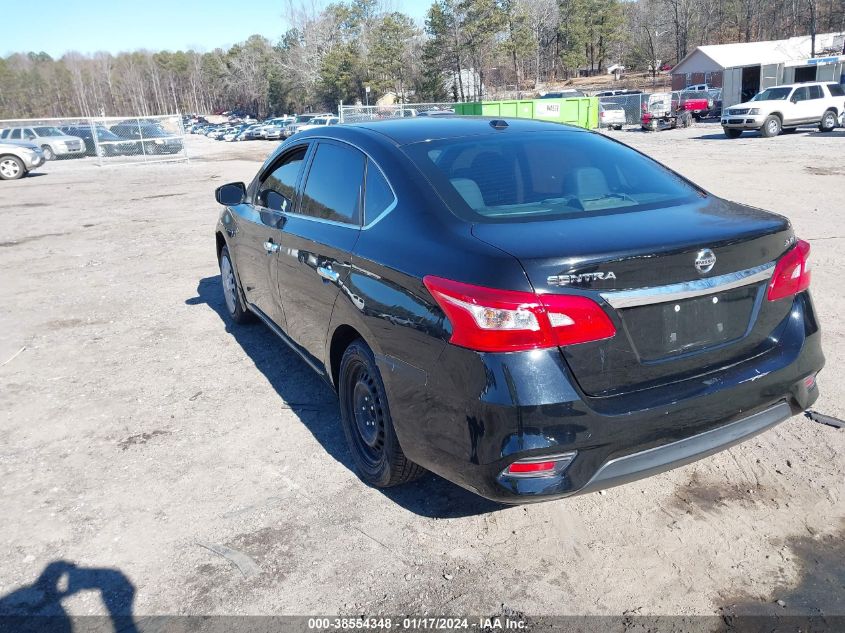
x=744, y=69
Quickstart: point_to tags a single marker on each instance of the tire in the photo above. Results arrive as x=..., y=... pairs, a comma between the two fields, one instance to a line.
x=732, y=132
x=771, y=126
x=232, y=295
x=49, y=154
x=367, y=424
x=617, y=128
x=685, y=120
x=828, y=121
x=11, y=168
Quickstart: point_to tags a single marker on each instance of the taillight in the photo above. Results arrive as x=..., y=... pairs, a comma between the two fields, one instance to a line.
x=490, y=320
x=792, y=273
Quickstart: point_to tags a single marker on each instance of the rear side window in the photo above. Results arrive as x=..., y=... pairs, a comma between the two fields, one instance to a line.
x=378, y=195
x=816, y=92
x=801, y=94
x=333, y=189
x=546, y=175
x=16, y=135
x=4, y=134
x=836, y=90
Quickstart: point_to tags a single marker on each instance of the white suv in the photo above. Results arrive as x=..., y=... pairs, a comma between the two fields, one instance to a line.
x=783, y=108
x=52, y=141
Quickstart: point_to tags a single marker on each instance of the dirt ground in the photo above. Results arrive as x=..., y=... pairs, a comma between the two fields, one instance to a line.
x=138, y=432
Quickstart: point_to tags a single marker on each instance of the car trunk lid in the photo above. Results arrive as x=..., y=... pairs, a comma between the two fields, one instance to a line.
x=673, y=319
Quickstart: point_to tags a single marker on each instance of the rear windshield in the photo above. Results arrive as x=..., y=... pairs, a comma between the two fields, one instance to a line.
x=546, y=175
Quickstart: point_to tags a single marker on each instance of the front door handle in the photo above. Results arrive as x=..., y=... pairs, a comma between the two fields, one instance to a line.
x=327, y=273
x=271, y=247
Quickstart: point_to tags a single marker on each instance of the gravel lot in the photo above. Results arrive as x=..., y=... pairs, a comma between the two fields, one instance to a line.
x=138, y=430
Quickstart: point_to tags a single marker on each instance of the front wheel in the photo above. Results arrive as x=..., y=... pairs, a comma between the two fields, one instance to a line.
x=771, y=127
x=732, y=132
x=11, y=168
x=828, y=121
x=231, y=290
x=367, y=424
x=49, y=154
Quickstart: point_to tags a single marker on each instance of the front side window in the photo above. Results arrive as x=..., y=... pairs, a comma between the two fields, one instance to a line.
x=29, y=135
x=546, y=175
x=333, y=189
x=278, y=190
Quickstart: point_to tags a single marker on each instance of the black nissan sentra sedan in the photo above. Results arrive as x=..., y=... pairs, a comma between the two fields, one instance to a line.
x=526, y=309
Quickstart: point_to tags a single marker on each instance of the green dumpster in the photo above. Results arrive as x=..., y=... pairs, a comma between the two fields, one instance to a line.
x=580, y=111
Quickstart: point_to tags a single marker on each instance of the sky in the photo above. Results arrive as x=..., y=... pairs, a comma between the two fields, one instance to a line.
x=89, y=26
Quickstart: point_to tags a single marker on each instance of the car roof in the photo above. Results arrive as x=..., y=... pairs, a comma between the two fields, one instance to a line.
x=403, y=131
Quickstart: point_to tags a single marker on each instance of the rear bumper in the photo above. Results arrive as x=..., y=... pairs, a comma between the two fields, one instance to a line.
x=471, y=415
x=629, y=468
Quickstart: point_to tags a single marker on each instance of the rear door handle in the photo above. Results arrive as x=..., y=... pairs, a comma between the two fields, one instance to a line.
x=271, y=247
x=327, y=273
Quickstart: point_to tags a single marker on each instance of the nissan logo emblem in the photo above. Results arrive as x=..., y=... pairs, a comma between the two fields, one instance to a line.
x=705, y=260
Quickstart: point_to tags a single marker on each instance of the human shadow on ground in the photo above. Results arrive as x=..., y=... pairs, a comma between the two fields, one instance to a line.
x=37, y=608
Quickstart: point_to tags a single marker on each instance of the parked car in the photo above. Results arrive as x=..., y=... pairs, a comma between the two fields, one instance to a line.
x=18, y=159
x=611, y=115
x=319, y=121
x=301, y=119
x=250, y=132
x=52, y=141
x=149, y=138
x=563, y=94
x=107, y=144
x=443, y=112
x=527, y=309
x=783, y=108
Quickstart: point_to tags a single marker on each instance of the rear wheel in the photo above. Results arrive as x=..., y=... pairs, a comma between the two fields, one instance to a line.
x=11, y=168
x=231, y=290
x=828, y=121
x=49, y=154
x=367, y=423
x=732, y=133
x=771, y=127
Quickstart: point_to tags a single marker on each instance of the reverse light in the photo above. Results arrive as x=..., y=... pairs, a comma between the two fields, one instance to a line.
x=491, y=320
x=545, y=466
x=792, y=273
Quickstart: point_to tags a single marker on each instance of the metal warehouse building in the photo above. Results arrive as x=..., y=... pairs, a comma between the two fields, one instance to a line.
x=742, y=70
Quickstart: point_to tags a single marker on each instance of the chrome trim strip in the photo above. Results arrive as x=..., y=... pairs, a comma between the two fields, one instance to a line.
x=688, y=289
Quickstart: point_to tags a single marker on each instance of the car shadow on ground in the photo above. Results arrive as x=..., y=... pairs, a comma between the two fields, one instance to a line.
x=37, y=608
x=814, y=601
x=290, y=377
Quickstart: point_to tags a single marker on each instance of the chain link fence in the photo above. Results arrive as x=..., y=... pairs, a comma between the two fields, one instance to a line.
x=102, y=140
x=632, y=104
x=356, y=113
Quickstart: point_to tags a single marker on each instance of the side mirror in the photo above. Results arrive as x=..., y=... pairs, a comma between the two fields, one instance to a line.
x=230, y=194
